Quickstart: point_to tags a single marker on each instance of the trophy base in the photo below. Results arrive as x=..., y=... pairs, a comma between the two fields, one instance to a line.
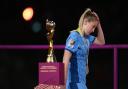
x=44, y=86
x=51, y=73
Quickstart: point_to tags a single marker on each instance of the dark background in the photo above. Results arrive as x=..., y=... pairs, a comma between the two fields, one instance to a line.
x=18, y=68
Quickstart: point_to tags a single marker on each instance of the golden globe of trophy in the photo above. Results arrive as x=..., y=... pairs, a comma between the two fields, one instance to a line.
x=50, y=25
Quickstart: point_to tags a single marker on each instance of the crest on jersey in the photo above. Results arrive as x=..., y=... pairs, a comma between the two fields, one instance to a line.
x=71, y=43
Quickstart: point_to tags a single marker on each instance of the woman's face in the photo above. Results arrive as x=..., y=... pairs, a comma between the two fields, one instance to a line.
x=89, y=27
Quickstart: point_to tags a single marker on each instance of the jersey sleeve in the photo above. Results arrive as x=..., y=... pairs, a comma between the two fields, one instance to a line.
x=71, y=42
x=91, y=39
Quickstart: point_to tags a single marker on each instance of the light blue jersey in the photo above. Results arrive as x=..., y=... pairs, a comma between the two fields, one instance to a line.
x=79, y=47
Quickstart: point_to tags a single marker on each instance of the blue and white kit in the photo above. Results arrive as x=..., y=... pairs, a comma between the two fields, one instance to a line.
x=78, y=45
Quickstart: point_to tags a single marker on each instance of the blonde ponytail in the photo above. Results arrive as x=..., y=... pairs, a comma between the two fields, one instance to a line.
x=88, y=10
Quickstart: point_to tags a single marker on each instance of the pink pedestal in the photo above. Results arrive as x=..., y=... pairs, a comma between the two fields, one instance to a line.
x=51, y=73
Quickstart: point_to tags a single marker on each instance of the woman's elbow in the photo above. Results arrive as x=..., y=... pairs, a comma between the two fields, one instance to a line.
x=99, y=42
x=102, y=43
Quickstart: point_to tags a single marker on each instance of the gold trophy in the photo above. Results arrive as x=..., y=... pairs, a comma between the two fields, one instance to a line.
x=50, y=25
x=51, y=73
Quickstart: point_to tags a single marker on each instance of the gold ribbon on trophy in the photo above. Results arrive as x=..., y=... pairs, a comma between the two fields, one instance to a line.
x=50, y=26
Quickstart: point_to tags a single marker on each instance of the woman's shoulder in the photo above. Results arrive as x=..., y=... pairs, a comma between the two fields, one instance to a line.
x=74, y=33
